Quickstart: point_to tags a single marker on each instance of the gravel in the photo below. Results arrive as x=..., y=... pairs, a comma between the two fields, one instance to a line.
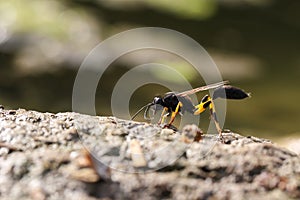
x=74, y=156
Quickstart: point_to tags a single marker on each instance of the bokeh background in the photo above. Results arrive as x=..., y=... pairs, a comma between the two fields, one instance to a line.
x=255, y=44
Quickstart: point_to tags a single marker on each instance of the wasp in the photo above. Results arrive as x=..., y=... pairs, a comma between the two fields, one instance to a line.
x=174, y=103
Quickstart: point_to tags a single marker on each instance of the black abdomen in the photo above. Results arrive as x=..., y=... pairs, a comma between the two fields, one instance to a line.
x=231, y=93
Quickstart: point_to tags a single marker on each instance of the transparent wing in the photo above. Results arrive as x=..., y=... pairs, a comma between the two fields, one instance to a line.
x=203, y=88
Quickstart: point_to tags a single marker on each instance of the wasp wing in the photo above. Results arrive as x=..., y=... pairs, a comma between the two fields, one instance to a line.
x=203, y=88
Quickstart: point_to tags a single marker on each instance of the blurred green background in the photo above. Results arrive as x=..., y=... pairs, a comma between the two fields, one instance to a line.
x=255, y=44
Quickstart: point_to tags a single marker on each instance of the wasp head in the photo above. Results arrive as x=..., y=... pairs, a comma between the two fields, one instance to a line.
x=157, y=100
x=155, y=105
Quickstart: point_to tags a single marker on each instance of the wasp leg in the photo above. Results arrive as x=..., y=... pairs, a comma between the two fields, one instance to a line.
x=179, y=105
x=201, y=107
x=205, y=103
x=163, y=116
x=214, y=117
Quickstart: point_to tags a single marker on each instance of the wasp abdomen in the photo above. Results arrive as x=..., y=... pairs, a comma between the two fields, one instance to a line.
x=230, y=92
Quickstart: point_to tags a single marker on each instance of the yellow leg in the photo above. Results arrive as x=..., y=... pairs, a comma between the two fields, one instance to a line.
x=201, y=107
x=214, y=117
x=162, y=117
x=179, y=105
x=204, y=104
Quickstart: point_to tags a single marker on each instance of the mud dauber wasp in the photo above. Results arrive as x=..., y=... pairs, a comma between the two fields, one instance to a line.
x=174, y=103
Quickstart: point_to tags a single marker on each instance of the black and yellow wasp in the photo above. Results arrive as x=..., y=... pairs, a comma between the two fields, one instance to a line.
x=174, y=103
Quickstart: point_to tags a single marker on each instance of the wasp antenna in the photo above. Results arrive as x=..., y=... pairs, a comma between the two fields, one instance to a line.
x=140, y=110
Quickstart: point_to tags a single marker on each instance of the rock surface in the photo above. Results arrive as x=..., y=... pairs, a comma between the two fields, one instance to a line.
x=74, y=156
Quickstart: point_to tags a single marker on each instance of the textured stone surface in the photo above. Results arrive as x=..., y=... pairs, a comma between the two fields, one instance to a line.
x=48, y=156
